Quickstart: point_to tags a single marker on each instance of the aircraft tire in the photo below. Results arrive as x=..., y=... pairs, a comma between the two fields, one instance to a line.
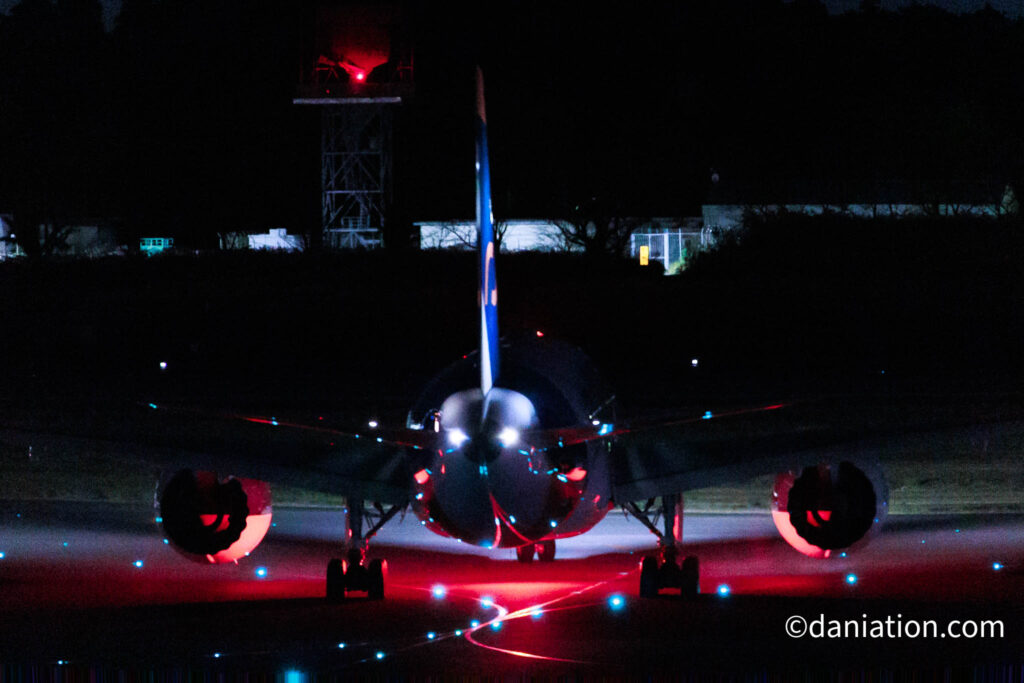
x=649, y=578
x=375, y=572
x=690, y=577
x=335, y=581
x=525, y=553
x=546, y=551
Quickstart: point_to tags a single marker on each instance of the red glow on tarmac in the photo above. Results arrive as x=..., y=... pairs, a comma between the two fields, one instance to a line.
x=563, y=591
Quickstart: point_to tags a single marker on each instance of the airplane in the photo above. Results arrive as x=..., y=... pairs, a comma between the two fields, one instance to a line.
x=516, y=445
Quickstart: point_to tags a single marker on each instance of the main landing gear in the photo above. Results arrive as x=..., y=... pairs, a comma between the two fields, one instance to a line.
x=664, y=571
x=545, y=552
x=355, y=573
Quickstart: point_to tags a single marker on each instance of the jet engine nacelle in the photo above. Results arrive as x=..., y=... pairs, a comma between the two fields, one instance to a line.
x=212, y=520
x=828, y=507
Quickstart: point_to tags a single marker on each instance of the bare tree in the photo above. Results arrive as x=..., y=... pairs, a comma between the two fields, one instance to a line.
x=462, y=235
x=597, y=227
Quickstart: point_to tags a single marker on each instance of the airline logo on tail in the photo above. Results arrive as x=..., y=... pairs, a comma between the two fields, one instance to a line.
x=488, y=286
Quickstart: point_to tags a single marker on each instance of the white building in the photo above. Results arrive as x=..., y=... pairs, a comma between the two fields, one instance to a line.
x=277, y=239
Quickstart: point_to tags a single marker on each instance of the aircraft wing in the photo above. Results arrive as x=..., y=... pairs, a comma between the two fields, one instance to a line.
x=308, y=454
x=694, y=448
x=732, y=446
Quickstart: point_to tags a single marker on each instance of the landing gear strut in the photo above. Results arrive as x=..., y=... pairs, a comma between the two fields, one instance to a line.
x=354, y=573
x=664, y=571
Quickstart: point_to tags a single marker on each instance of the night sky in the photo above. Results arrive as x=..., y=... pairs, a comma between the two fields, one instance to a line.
x=1012, y=8
x=180, y=121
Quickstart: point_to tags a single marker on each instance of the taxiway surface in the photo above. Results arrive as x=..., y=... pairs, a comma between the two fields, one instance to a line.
x=93, y=585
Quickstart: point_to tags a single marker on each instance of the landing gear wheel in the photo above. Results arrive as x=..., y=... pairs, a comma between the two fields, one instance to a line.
x=689, y=585
x=546, y=551
x=375, y=587
x=335, y=581
x=649, y=578
x=525, y=553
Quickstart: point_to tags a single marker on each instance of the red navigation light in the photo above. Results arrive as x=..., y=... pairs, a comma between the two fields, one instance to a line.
x=360, y=76
x=539, y=333
x=422, y=477
x=576, y=474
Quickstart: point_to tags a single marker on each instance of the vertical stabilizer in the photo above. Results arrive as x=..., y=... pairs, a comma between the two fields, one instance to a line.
x=488, y=285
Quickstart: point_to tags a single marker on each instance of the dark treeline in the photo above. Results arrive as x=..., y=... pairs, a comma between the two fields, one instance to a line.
x=179, y=119
x=920, y=297
x=796, y=303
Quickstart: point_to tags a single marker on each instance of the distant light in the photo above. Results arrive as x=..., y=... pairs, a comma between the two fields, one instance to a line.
x=694, y=362
x=487, y=602
x=458, y=632
x=216, y=655
x=61, y=662
x=372, y=423
x=509, y=436
x=616, y=602
x=431, y=635
x=605, y=429
x=295, y=677
x=842, y=554
x=153, y=406
x=723, y=590
x=2, y=555
x=380, y=439
x=163, y=365
x=474, y=624
x=553, y=524
x=996, y=566
x=360, y=76
x=496, y=626
x=707, y=415
x=537, y=613
x=562, y=478
x=851, y=579
x=341, y=646
x=261, y=572
x=166, y=542
x=457, y=437
x=419, y=496
x=595, y=422
x=138, y=564
x=512, y=519
x=159, y=520
x=422, y=477
x=539, y=333
x=439, y=591
x=380, y=655
x=956, y=531
x=65, y=544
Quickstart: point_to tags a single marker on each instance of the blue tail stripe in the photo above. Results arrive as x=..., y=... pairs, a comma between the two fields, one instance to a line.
x=488, y=285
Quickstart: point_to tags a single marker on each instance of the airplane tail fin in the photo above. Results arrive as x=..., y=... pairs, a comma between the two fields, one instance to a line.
x=488, y=285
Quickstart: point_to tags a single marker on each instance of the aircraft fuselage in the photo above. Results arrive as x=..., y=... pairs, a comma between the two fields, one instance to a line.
x=490, y=486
